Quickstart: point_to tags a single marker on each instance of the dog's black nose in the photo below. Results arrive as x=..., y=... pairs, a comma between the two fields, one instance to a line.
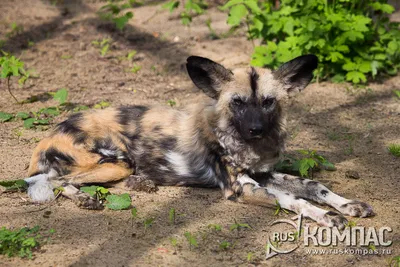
x=256, y=131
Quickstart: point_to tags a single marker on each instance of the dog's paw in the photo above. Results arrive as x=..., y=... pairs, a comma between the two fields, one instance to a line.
x=333, y=219
x=87, y=202
x=139, y=183
x=357, y=209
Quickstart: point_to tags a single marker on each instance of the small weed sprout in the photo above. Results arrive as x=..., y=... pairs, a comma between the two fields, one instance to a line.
x=279, y=208
x=172, y=215
x=191, y=240
x=215, y=227
x=135, y=69
x=249, y=256
x=394, y=149
x=238, y=226
x=171, y=103
x=15, y=30
x=11, y=66
x=103, y=45
x=397, y=93
x=174, y=243
x=147, y=224
x=225, y=245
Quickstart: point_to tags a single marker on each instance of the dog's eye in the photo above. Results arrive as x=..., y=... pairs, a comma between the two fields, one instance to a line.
x=268, y=103
x=237, y=101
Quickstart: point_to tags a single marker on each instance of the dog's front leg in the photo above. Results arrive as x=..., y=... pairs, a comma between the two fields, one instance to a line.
x=312, y=190
x=251, y=192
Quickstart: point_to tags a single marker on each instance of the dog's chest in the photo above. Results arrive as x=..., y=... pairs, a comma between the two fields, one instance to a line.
x=239, y=154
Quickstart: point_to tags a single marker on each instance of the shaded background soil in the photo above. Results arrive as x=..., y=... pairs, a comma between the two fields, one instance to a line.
x=351, y=127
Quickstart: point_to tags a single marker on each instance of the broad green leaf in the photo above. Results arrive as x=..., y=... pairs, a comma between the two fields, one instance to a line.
x=253, y=6
x=118, y=202
x=236, y=14
x=328, y=166
x=288, y=27
x=53, y=111
x=5, y=116
x=374, y=68
x=356, y=77
x=91, y=190
x=29, y=123
x=41, y=122
x=231, y=3
x=172, y=5
x=262, y=56
x=365, y=67
x=350, y=66
x=387, y=8
x=14, y=185
x=61, y=96
x=22, y=115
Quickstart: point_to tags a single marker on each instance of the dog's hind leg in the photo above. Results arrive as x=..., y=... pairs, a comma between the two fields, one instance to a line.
x=251, y=192
x=312, y=190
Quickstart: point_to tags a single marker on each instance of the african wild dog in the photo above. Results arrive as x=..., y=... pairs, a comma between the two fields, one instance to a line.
x=231, y=141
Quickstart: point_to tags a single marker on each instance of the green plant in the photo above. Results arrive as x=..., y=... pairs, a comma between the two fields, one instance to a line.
x=15, y=30
x=95, y=191
x=279, y=208
x=191, y=240
x=44, y=116
x=354, y=40
x=112, y=201
x=102, y=104
x=171, y=102
x=191, y=8
x=148, y=223
x=397, y=93
x=215, y=227
x=118, y=202
x=113, y=11
x=172, y=215
x=249, y=256
x=225, y=245
x=394, y=149
x=103, y=45
x=238, y=226
x=66, y=57
x=394, y=262
x=133, y=212
x=308, y=163
x=21, y=242
x=12, y=67
x=131, y=55
x=135, y=68
x=351, y=224
x=14, y=185
x=174, y=243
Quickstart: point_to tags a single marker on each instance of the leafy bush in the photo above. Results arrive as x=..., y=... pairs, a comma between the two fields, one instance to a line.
x=354, y=40
x=309, y=162
x=38, y=119
x=191, y=8
x=112, y=12
x=20, y=242
x=394, y=149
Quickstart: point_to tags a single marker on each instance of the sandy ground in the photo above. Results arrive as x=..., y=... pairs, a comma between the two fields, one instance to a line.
x=352, y=128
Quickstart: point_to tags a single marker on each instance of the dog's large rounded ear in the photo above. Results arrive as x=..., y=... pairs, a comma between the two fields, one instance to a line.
x=208, y=75
x=297, y=73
